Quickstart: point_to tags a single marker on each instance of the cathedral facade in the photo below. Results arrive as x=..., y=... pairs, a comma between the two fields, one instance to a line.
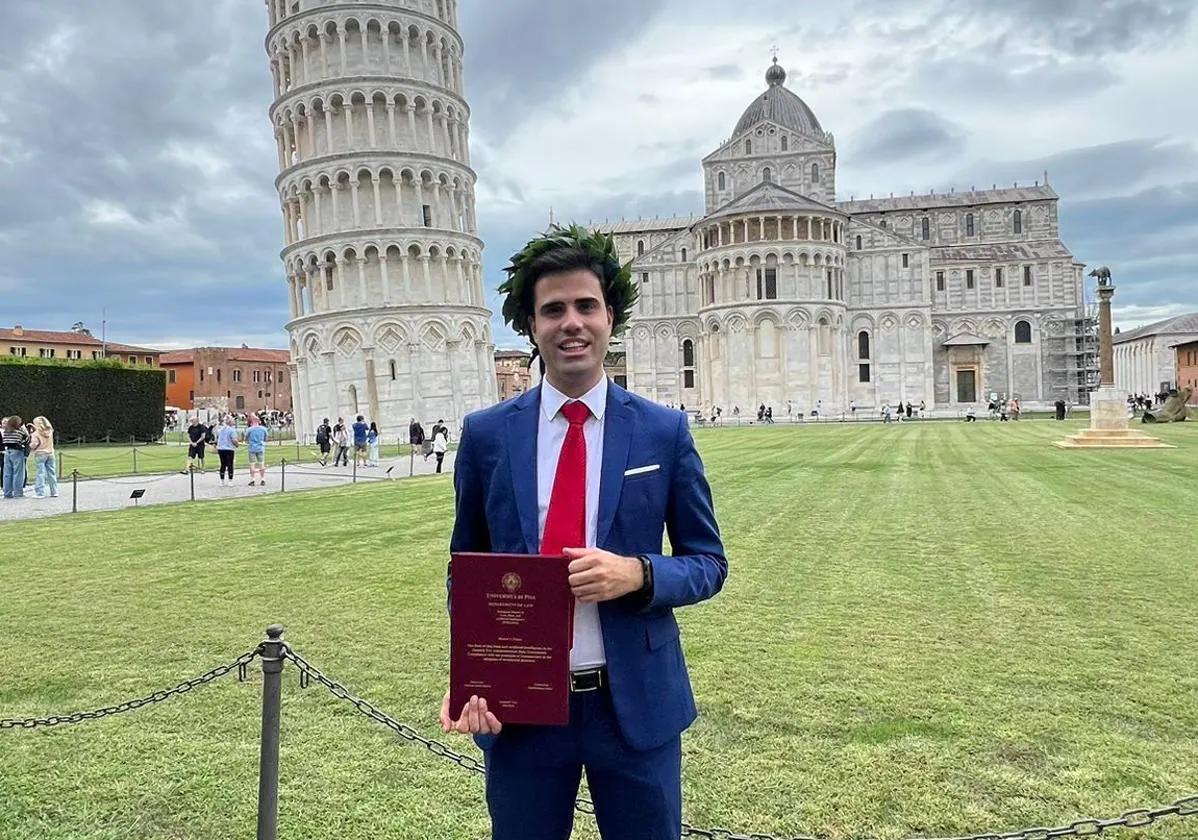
x=782, y=295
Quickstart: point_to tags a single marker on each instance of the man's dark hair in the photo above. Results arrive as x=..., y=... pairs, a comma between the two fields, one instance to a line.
x=566, y=249
x=557, y=261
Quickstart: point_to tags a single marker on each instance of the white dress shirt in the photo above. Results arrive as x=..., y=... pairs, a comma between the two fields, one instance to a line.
x=551, y=434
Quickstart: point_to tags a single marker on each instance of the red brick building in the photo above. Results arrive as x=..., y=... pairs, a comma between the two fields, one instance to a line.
x=511, y=372
x=228, y=378
x=1187, y=368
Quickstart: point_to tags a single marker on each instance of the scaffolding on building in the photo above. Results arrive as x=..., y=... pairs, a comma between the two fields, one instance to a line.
x=1072, y=355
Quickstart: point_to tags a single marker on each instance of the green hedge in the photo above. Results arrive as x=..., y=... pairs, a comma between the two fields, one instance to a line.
x=93, y=400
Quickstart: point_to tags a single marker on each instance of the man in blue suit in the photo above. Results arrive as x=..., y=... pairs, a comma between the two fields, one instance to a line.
x=580, y=449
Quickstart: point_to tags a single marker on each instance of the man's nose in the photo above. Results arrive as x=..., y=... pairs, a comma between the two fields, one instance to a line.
x=573, y=319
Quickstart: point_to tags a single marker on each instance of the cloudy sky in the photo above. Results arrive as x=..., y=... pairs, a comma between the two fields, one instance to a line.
x=137, y=161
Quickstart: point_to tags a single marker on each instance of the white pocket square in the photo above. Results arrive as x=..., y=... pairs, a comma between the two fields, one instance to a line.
x=641, y=470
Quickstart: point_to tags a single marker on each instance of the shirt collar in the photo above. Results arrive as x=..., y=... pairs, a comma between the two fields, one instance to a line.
x=552, y=399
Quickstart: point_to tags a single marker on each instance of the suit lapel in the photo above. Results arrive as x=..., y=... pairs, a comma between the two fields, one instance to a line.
x=617, y=439
x=522, y=428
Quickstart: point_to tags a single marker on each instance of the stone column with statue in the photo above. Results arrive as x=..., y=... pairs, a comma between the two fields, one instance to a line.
x=1108, y=407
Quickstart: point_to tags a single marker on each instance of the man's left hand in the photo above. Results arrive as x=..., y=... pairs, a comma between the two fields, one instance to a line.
x=597, y=575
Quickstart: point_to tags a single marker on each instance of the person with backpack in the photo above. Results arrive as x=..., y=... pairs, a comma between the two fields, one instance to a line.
x=324, y=437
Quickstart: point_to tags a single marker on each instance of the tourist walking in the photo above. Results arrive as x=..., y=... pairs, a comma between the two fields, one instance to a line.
x=255, y=448
x=46, y=469
x=341, y=438
x=324, y=437
x=16, y=449
x=372, y=445
x=226, y=447
x=440, y=444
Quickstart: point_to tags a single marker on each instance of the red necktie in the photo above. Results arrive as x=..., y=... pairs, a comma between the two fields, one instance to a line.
x=566, y=521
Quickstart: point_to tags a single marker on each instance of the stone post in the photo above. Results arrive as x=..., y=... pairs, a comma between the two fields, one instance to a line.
x=1106, y=347
x=1108, y=408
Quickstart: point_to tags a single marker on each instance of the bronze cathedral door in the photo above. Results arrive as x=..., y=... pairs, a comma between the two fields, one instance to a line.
x=967, y=385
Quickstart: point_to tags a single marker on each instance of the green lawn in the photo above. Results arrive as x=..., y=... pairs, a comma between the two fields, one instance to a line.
x=928, y=629
x=106, y=461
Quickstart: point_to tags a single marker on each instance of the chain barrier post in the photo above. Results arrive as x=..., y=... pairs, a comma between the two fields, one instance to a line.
x=135, y=460
x=59, y=470
x=411, y=459
x=268, y=763
x=355, y=477
x=191, y=477
x=74, y=491
x=283, y=476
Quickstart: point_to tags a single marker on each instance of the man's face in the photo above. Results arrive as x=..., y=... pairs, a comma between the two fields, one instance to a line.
x=571, y=326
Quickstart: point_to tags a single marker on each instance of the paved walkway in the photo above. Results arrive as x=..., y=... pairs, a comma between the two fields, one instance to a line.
x=113, y=493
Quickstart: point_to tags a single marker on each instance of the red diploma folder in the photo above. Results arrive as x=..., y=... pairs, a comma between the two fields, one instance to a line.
x=510, y=625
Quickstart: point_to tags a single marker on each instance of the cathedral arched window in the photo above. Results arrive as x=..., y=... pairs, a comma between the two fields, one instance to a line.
x=1018, y=221
x=766, y=175
x=640, y=247
x=863, y=345
x=683, y=255
x=1023, y=332
x=721, y=182
x=969, y=224
x=858, y=242
x=815, y=173
x=748, y=147
x=925, y=229
x=785, y=144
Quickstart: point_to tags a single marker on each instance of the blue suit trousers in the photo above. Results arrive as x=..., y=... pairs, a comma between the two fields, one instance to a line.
x=533, y=776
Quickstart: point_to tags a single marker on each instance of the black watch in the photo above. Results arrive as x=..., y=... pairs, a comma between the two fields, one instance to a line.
x=647, y=570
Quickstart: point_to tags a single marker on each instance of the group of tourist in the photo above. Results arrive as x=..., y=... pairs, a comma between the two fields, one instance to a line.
x=21, y=440
x=225, y=436
x=362, y=437
x=435, y=444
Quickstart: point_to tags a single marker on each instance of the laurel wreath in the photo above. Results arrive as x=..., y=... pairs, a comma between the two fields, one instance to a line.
x=619, y=290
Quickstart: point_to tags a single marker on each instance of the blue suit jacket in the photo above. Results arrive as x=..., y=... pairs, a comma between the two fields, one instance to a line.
x=496, y=487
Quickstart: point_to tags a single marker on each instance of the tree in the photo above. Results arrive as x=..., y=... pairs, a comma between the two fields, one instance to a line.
x=79, y=327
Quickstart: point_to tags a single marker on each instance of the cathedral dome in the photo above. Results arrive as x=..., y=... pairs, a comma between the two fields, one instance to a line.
x=779, y=105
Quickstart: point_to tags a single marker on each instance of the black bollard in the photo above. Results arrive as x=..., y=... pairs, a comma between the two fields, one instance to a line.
x=191, y=477
x=74, y=491
x=268, y=762
x=283, y=476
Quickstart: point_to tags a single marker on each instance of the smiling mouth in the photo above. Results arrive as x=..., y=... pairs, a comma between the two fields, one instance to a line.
x=572, y=346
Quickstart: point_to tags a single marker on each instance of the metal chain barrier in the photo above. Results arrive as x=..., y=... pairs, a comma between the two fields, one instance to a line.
x=1138, y=818
x=239, y=663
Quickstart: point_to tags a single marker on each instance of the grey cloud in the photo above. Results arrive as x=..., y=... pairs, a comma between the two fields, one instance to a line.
x=1022, y=82
x=907, y=134
x=722, y=73
x=649, y=99
x=524, y=56
x=120, y=110
x=684, y=166
x=1103, y=170
x=1080, y=28
x=1089, y=27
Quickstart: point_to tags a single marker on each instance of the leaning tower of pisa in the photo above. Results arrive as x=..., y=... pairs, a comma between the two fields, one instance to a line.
x=382, y=255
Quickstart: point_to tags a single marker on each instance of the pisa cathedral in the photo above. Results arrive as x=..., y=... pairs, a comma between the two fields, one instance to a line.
x=383, y=260
x=781, y=294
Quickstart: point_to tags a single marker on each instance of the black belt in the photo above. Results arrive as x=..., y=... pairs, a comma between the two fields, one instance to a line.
x=590, y=679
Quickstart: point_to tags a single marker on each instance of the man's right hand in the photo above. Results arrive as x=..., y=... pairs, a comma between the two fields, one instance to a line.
x=474, y=720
